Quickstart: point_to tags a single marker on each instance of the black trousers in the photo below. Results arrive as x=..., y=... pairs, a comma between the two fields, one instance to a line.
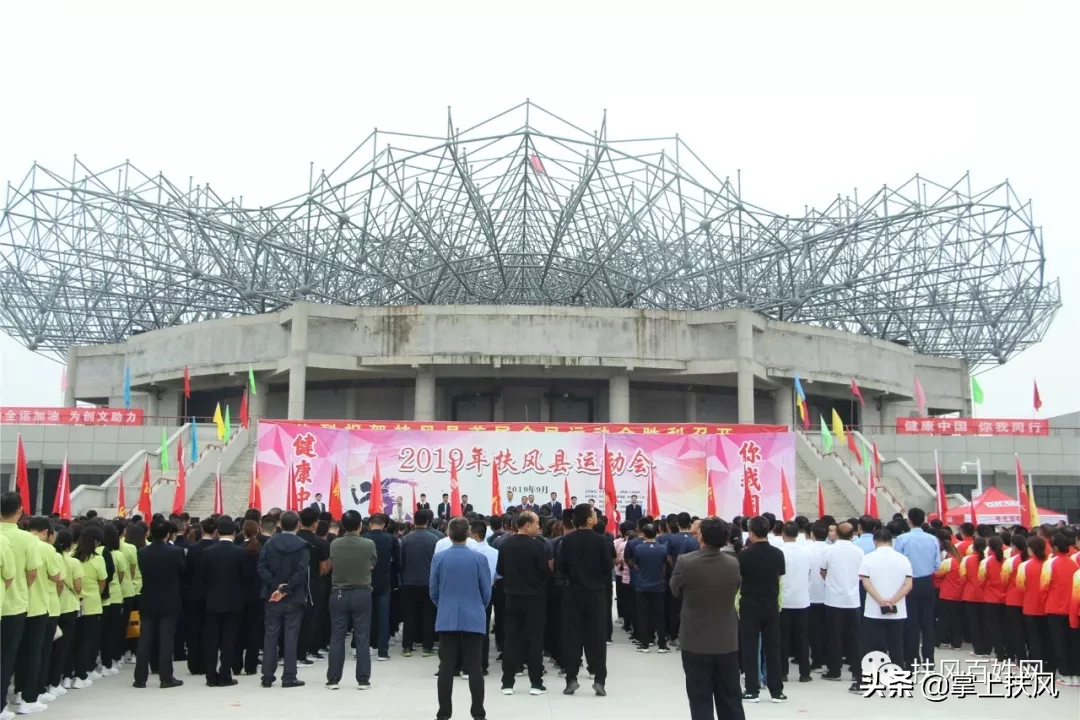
x=760, y=623
x=193, y=633
x=220, y=634
x=1037, y=642
x=246, y=658
x=113, y=631
x=583, y=629
x=919, y=624
x=11, y=632
x=1059, y=633
x=842, y=628
x=951, y=615
x=1014, y=633
x=980, y=639
x=713, y=680
x=994, y=627
x=485, y=651
x=624, y=603
x=419, y=620
x=651, y=618
x=308, y=642
x=885, y=636
x=129, y=604
x=466, y=646
x=28, y=669
x=156, y=632
x=794, y=640
x=282, y=620
x=524, y=637
x=48, y=647
x=88, y=638
x=816, y=634
x=553, y=621
x=498, y=602
x=62, y=648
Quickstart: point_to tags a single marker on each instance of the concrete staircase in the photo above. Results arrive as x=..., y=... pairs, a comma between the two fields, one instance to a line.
x=836, y=504
x=235, y=484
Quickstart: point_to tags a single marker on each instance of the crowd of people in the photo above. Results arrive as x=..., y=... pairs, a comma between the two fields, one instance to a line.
x=743, y=602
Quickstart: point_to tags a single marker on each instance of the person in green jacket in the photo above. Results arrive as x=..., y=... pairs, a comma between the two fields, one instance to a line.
x=88, y=627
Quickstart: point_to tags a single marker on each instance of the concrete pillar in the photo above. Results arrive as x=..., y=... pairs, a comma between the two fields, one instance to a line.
x=71, y=372
x=498, y=408
x=298, y=350
x=783, y=409
x=744, y=357
x=619, y=398
x=424, y=396
x=153, y=403
x=40, y=499
x=351, y=402
x=691, y=406
x=545, y=407
x=257, y=402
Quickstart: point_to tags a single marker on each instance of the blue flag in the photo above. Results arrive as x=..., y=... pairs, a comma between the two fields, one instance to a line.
x=194, y=440
x=798, y=388
x=127, y=387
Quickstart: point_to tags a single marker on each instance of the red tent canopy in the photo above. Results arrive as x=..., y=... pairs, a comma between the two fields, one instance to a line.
x=994, y=507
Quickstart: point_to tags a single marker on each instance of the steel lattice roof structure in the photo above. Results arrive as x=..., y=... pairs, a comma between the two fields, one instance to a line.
x=523, y=208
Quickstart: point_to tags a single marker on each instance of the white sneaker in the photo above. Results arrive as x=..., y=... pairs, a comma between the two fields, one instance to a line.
x=107, y=672
x=57, y=691
x=80, y=684
x=94, y=675
x=65, y=683
x=7, y=715
x=31, y=708
x=46, y=697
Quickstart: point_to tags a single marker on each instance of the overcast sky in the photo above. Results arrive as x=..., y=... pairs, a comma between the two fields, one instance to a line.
x=805, y=104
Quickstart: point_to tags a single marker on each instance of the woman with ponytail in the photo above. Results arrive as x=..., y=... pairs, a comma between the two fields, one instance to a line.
x=973, y=598
x=1057, y=584
x=993, y=587
x=1034, y=608
x=950, y=593
x=1014, y=600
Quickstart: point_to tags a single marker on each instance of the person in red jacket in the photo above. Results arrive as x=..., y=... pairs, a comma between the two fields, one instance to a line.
x=950, y=593
x=993, y=587
x=1056, y=581
x=973, y=598
x=1014, y=600
x=967, y=537
x=1034, y=608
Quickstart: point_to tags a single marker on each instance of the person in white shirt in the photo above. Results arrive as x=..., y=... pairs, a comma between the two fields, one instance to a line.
x=840, y=567
x=886, y=576
x=817, y=546
x=479, y=530
x=445, y=544
x=795, y=603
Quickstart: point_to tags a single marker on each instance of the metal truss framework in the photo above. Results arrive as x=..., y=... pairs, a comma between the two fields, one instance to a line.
x=505, y=212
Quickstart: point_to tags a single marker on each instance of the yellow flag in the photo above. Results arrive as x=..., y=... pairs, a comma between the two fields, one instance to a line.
x=837, y=426
x=219, y=422
x=1035, y=522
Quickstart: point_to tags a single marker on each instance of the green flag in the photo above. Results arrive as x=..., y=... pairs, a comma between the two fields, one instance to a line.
x=164, y=451
x=228, y=426
x=826, y=437
x=867, y=453
x=251, y=380
x=976, y=392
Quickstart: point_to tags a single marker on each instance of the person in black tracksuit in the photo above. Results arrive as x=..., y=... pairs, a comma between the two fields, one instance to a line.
x=524, y=565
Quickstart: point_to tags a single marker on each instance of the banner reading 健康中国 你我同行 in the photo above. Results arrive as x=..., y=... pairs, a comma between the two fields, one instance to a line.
x=531, y=459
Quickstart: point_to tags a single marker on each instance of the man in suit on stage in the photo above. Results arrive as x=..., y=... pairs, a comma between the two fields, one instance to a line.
x=319, y=504
x=555, y=507
x=423, y=504
x=444, y=507
x=226, y=574
x=466, y=508
x=162, y=567
x=633, y=510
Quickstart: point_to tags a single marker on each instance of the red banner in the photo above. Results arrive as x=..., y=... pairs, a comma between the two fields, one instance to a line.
x=972, y=426
x=70, y=416
x=613, y=428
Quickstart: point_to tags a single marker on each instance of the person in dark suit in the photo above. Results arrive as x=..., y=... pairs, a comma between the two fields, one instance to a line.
x=423, y=504
x=319, y=504
x=555, y=507
x=195, y=596
x=633, y=511
x=226, y=573
x=162, y=568
x=707, y=580
x=444, y=507
x=532, y=505
x=466, y=507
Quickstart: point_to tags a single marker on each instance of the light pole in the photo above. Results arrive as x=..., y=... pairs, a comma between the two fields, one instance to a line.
x=978, y=472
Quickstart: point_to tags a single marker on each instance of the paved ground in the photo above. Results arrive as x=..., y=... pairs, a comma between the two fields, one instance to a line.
x=639, y=686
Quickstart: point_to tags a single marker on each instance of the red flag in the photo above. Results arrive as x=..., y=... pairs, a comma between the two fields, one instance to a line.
x=920, y=397
x=710, y=498
x=219, y=499
x=942, y=501
x=1037, y=402
x=375, y=503
x=566, y=491
x=244, y=410
x=180, y=494
x=496, y=492
x=22, y=480
x=537, y=166
x=787, y=508
x=653, y=509
x=121, y=500
x=254, y=487
x=291, y=503
x=855, y=391
x=144, y=506
x=820, y=501
x=611, y=502
x=748, y=509
x=870, y=506
x=852, y=446
x=187, y=383
x=62, y=499
x=971, y=506
x=335, y=495
x=455, y=492
x=1022, y=496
